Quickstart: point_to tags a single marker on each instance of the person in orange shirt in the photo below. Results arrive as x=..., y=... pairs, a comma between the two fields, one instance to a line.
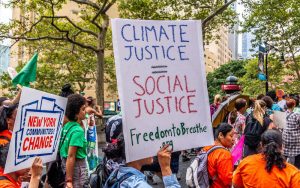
x=220, y=164
x=13, y=180
x=269, y=168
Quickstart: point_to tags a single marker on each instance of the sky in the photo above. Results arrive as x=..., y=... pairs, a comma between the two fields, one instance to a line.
x=6, y=14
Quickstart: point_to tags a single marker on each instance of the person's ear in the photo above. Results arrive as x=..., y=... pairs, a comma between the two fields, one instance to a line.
x=221, y=136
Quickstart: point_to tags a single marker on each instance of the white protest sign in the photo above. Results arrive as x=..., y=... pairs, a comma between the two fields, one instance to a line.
x=279, y=119
x=36, y=130
x=162, y=85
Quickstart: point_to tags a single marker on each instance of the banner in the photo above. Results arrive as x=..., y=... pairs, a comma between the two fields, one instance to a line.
x=162, y=85
x=36, y=130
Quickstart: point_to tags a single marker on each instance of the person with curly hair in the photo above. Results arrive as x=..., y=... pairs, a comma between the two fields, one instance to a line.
x=269, y=168
x=73, y=150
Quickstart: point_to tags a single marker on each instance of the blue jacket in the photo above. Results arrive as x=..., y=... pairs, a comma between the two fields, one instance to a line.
x=139, y=180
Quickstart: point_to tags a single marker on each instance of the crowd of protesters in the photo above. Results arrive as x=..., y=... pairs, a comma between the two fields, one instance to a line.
x=270, y=155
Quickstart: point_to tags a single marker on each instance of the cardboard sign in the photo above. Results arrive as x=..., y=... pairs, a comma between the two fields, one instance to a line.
x=162, y=85
x=36, y=130
x=280, y=119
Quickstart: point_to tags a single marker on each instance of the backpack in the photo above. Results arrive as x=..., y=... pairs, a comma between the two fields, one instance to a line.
x=114, y=182
x=253, y=131
x=98, y=178
x=55, y=173
x=197, y=172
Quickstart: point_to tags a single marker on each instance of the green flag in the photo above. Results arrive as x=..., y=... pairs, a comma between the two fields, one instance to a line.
x=28, y=73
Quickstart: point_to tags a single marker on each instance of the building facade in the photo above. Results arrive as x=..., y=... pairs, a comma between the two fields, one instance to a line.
x=218, y=52
x=4, y=58
x=247, y=48
x=233, y=37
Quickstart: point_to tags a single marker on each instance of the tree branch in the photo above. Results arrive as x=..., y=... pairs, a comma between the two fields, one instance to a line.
x=87, y=2
x=108, y=6
x=219, y=11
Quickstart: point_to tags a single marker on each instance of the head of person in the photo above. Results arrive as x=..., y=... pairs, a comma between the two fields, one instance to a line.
x=260, y=96
x=223, y=134
x=116, y=152
x=291, y=104
x=272, y=94
x=7, y=117
x=75, y=110
x=296, y=98
x=4, y=101
x=66, y=90
x=218, y=99
x=271, y=141
x=240, y=105
x=115, y=148
x=90, y=101
x=259, y=110
x=269, y=101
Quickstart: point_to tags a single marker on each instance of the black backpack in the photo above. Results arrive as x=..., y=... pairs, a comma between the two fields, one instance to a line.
x=55, y=173
x=99, y=176
x=253, y=131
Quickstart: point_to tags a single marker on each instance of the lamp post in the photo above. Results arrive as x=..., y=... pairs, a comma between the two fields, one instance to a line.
x=282, y=60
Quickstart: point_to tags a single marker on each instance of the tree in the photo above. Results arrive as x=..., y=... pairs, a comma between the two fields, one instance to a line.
x=41, y=21
x=59, y=64
x=253, y=86
x=277, y=23
x=216, y=78
x=213, y=13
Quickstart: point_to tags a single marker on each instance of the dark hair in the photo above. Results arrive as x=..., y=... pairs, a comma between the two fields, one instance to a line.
x=290, y=103
x=272, y=144
x=239, y=104
x=272, y=94
x=260, y=96
x=75, y=102
x=115, y=150
x=90, y=100
x=5, y=113
x=66, y=90
x=223, y=128
x=296, y=98
x=2, y=99
x=269, y=101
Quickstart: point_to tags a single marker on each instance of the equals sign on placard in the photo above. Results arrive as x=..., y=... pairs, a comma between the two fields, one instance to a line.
x=159, y=69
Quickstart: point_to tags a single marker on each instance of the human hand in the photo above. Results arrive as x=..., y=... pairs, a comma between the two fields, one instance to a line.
x=69, y=185
x=164, y=159
x=37, y=167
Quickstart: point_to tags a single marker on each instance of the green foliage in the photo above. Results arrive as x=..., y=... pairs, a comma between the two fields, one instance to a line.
x=276, y=70
x=278, y=24
x=179, y=9
x=216, y=78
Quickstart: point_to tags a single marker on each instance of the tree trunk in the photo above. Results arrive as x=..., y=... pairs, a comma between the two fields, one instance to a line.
x=100, y=79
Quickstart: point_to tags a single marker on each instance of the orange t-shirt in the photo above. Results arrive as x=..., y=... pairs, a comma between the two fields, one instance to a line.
x=3, y=135
x=8, y=182
x=220, y=167
x=251, y=172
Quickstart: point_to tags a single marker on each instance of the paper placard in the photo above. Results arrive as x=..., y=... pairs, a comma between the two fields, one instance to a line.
x=36, y=130
x=162, y=85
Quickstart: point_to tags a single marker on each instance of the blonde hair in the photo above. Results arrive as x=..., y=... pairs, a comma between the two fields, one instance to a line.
x=218, y=98
x=259, y=111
